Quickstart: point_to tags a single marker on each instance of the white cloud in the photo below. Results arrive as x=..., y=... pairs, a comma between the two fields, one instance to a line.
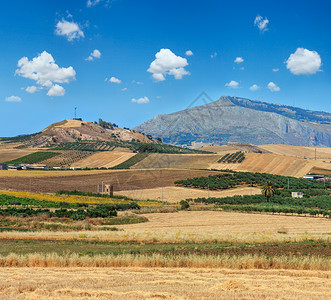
x=94, y=54
x=303, y=61
x=115, y=80
x=56, y=90
x=44, y=70
x=70, y=30
x=91, y=3
x=142, y=100
x=275, y=70
x=232, y=84
x=239, y=60
x=254, y=87
x=188, y=53
x=31, y=89
x=261, y=23
x=167, y=63
x=213, y=55
x=13, y=99
x=124, y=89
x=273, y=87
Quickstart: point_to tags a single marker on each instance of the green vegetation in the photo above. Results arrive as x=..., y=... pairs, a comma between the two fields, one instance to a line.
x=268, y=190
x=105, y=124
x=78, y=211
x=232, y=179
x=133, y=145
x=131, y=161
x=32, y=158
x=19, y=139
x=89, y=194
x=230, y=158
x=184, y=205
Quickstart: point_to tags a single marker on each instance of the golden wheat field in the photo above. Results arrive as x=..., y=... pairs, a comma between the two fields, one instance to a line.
x=162, y=283
x=173, y=194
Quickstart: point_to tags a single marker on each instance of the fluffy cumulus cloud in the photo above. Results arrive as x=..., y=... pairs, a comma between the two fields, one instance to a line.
x=261, y=23
x=56, y=91
x=142, y=100
x=167, y=63
x=115, y=80
x=304, y=61
x=70, y=30
x=254, y=87
x=188, y=53
x=44, y=71
x=239, y=60
x=232, y=84
x=94, y=54
x=273, y=87
x=13, y=99
x=31, y=89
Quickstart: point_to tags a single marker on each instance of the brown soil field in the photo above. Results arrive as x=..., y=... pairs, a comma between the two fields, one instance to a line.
x=162, y=283
x=175, y=194
x=177, y=161
x=105, y=159
x=66, y=158
x=273, y=164
x=233, y=148
x=10, y=154
x=229, y=222
x=121, y=180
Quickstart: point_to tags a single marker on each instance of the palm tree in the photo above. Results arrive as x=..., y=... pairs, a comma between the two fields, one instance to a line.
x=268, y=190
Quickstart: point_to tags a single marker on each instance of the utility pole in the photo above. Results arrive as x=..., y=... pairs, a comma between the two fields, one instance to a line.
x=75, y=113
x=208, y=190
x=162, y=195
x=315, y=153
x=288, y=183
x=98, y=189
x=102, y=186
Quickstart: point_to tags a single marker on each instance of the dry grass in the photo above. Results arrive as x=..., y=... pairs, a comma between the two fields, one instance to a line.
x=162, y=283
x=165, y=261
x=199, y=222
x=174, y=194
x=7, y=154
x=177, y=161
x=106, y=159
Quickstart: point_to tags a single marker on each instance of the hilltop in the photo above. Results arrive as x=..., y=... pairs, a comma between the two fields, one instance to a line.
x=240, y=120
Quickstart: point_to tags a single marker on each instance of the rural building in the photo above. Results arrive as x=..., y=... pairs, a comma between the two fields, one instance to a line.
x=3, y=167
x=313, y=176
x=297, y=194
x=109, y=189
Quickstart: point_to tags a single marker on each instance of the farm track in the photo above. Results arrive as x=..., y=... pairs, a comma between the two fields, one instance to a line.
x=121, y=180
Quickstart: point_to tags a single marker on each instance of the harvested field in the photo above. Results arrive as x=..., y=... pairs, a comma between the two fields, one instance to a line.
x=299, y=151
x=121, y=179
x=46, y=173
x=234, y=148
x=106, y=159
x=198, y=222
x=270, y=163
x=67, y=158
x=11, y=154
x=177, y=161
x=162, y=283
x=174, y=194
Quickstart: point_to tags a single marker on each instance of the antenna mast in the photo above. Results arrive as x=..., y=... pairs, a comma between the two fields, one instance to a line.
x=75, y=113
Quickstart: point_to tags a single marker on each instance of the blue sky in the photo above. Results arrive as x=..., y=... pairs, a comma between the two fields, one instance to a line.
x=99, y=55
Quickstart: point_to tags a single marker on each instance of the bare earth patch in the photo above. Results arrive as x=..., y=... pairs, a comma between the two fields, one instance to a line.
x=162, y=283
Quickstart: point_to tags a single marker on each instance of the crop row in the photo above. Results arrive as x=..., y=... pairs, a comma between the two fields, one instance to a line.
x=236, y=157
x=32, y=158
x=230, y=180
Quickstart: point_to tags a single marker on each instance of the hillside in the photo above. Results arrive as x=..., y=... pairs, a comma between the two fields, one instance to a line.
x=238, y=120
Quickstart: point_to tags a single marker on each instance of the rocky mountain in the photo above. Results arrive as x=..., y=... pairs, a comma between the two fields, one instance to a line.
x=232, y=119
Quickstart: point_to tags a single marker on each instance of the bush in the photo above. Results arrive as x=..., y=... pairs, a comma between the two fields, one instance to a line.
x=184, y=205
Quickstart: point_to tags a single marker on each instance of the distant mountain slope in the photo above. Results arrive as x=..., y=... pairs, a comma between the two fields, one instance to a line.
x=232, y=119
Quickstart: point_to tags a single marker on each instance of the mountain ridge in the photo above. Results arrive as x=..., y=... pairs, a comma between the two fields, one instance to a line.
x=234, y=119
